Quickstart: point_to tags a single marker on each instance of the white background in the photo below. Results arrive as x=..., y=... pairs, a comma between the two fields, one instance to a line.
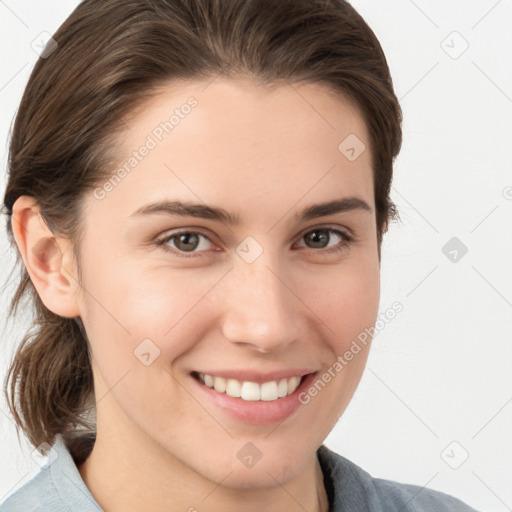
x=438, y=385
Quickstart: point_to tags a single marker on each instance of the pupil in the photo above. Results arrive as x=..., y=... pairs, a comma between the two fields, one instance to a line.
x=185, y=239
x=315, y=238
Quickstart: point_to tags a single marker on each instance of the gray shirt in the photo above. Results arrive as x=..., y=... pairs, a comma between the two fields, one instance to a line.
x=58, y=487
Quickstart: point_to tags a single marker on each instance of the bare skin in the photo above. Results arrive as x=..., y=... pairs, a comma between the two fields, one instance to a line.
x=266, y=155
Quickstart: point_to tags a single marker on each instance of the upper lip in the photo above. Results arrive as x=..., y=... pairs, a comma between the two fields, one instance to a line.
x=258, y=377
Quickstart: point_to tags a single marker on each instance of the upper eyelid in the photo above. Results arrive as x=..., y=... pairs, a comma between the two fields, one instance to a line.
x=346, y=231
x=166, y=235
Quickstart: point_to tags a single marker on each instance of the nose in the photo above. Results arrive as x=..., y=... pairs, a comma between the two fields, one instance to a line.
x=262, y=310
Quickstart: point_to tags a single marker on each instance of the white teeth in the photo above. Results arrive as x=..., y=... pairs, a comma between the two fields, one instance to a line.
x=293, y=384
x=282, y=389
x=251, y=391
x=219, y=384
x=233, y=387
x=269, y=391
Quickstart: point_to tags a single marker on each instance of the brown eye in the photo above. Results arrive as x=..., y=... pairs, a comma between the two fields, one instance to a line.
x=319, y=238
x=184, y=242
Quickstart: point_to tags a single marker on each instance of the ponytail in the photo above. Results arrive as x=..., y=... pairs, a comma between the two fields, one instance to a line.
x=50, y=380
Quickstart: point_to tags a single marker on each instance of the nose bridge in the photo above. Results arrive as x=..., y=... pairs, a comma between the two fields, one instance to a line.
x=261, y=310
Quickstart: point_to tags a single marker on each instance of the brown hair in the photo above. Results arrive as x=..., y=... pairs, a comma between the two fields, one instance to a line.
x=111, y=55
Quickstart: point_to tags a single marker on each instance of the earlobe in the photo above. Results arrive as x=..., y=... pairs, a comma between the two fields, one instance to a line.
x=46, y=258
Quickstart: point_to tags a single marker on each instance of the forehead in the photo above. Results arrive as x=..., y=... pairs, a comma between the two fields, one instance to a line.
x=238, y=141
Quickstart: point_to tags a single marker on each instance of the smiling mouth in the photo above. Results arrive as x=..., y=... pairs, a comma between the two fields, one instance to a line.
x=251, y=391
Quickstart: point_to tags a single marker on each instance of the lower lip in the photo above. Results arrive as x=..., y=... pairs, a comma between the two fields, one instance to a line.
x=259, y=412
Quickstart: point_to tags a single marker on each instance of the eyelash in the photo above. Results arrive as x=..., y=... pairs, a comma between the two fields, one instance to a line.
x=161, y=242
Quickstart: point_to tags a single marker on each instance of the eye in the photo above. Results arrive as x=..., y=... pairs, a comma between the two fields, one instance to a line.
x=183, y=241
x=322, y=235
x=194, y=242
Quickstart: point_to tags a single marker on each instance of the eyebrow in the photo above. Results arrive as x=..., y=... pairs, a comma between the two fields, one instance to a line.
x=203, y=211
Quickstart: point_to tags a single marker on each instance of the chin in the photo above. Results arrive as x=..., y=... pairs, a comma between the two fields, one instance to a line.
x=267, y=472
x=253, y=478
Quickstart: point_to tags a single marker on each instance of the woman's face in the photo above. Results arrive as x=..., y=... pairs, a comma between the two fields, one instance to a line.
x=275, y=295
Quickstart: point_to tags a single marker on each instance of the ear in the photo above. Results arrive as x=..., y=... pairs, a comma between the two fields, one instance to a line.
x=49, y=260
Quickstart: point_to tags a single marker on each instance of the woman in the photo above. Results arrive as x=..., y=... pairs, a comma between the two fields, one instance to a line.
x=166, y=377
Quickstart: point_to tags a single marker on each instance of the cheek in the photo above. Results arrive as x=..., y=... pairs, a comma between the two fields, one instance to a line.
x=151, y=311
x=346, y=301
